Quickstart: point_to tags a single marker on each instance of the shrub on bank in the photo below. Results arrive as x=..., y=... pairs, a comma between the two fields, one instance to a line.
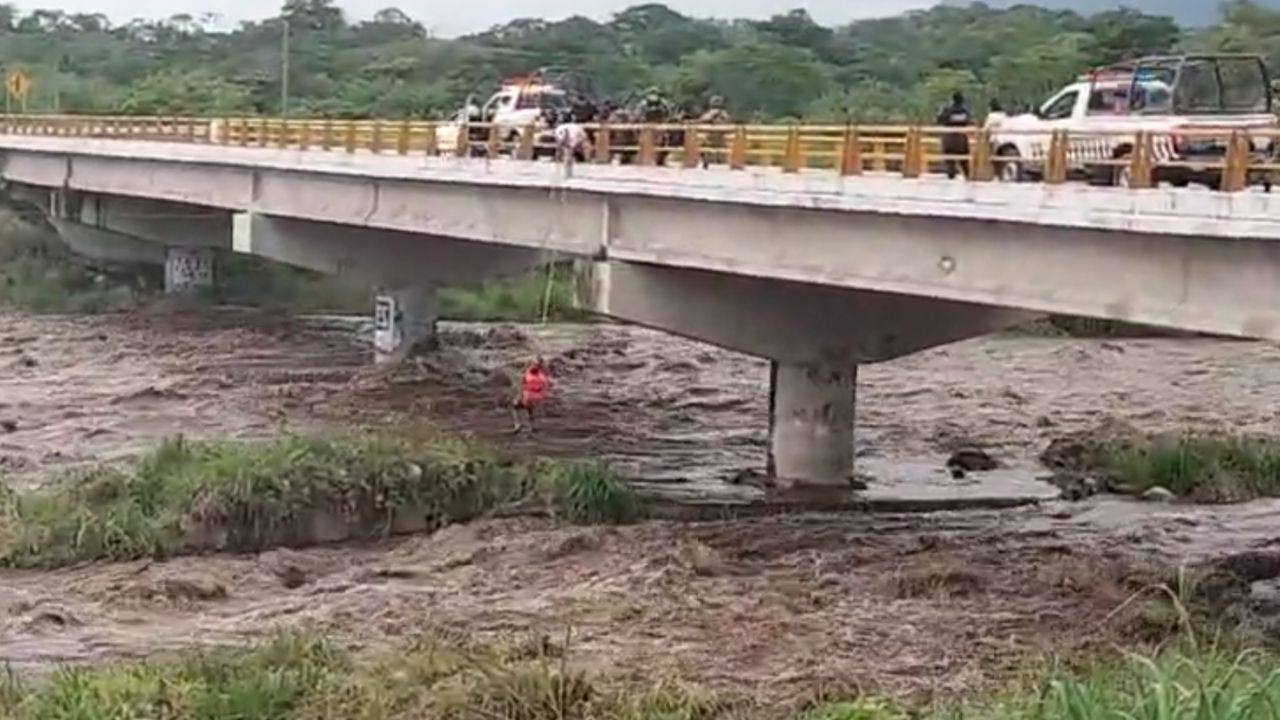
x=1205, y=468
x=39, y=275
x=1202, y=467
x=295, y=491
x=593, y=495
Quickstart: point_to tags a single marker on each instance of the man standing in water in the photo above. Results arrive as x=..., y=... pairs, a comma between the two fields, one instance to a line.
x=534, y=384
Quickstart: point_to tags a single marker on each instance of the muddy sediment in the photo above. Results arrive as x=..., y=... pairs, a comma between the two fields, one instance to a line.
x=769, y=606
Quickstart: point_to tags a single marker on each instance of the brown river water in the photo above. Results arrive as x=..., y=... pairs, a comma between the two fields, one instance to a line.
x=768, y=607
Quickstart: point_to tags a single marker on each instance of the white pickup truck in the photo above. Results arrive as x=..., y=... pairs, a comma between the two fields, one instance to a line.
x=520, y=103
x=1158, y=95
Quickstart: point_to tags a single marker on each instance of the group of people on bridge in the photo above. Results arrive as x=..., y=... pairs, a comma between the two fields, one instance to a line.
x=574, y=140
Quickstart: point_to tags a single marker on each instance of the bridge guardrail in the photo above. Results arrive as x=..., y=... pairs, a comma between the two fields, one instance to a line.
x=1230, y=159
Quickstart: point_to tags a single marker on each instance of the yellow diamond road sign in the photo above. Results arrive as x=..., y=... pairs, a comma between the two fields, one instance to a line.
x=18, y=84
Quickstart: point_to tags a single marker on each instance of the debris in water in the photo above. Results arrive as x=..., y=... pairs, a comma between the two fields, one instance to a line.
x=1158, y=494
x=181, y=590
x=971, y=460
x=292, y=576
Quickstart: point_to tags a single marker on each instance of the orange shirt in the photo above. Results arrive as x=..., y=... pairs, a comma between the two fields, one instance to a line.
x=534, y=384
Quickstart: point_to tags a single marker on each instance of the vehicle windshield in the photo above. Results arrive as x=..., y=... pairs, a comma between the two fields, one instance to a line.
x=547, y=99
x=1200, y=85
x=554, y=100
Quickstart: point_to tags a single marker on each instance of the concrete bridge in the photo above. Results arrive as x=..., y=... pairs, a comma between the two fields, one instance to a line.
x=819, y=271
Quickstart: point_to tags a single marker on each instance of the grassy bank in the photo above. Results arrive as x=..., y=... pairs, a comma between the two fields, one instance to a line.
x=1206, y=468
x=1213, y=468
x=291, y=491
x=300, y=676
x=38, y=273
x=1186, y=683
x=304, y=677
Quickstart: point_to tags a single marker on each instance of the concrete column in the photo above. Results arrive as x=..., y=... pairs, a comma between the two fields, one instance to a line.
x=188, y=270
x=403, y=319
x=811, y=410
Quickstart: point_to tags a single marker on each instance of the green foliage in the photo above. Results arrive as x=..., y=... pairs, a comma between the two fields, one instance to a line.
x=268, y=682
x=39, y=275
x=1178, y=684
x=188, y=496
x=527, y=298
x=758, y=78
x=784, y=66
x=860, y=709
x=594, y=495
x=196, y=92
x=1208, y=468
x=305, y=677
x=258, y=282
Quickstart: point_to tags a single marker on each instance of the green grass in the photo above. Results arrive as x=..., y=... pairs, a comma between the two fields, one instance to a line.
x=1181, y=683
x=289, y=491
x=305, y=677
x=857, y=709
x=594, y=495
x=1206, y=468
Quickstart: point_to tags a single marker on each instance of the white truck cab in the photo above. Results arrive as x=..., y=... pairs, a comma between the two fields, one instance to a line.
x=1107, y=107
x=519, y=103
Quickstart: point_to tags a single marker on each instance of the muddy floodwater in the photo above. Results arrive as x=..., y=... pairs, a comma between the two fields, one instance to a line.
x=767, y=606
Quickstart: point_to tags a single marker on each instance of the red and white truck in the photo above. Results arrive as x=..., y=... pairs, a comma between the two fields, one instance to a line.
x=1211, y=94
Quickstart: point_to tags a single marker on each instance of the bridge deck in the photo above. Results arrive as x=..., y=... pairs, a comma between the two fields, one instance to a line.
x=1187, y=211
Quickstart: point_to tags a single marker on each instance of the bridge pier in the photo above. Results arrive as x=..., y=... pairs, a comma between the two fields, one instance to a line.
x=815, y=336
x=404, y=318
x=811, y=414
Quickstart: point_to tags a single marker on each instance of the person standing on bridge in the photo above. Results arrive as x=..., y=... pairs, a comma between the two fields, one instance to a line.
x=956, y=144
x=573, y=142
x=535, y=383
x=716, y=114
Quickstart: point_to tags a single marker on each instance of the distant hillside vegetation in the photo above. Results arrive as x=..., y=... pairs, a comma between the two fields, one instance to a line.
x=1195, y=13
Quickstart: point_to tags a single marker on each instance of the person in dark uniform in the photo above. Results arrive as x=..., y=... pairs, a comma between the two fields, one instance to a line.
x=956, y=115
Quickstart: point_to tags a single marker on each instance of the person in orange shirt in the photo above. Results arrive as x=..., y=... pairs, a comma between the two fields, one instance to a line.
x=535, y=382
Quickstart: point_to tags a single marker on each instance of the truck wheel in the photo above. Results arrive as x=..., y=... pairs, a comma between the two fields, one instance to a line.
x=1113, y=175
x=1009, y=166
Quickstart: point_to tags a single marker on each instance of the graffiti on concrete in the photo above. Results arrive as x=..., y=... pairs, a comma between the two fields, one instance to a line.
x=388, y=324
x=188, y=269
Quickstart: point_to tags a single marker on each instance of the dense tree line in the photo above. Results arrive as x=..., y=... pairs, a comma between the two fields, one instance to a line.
x=786, y=66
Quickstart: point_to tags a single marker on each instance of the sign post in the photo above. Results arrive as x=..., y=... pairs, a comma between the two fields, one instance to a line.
x=18, y=87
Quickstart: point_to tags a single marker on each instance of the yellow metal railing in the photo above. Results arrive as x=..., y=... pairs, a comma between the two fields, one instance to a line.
x=1236, y=157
